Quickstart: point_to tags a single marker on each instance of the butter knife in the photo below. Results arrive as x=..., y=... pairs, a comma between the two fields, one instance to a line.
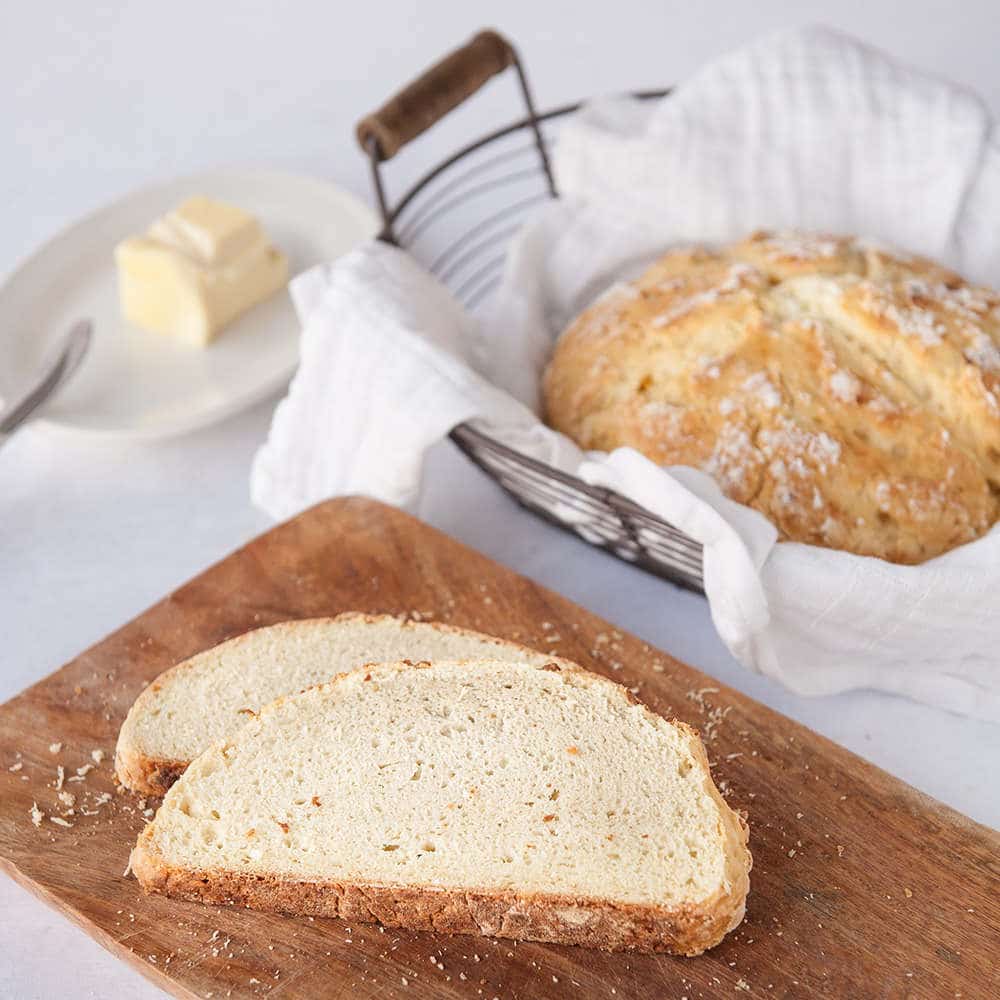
x=60, y=364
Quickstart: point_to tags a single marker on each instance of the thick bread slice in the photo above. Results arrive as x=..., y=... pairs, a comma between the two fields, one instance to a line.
x=208, y=697
x=534, y=802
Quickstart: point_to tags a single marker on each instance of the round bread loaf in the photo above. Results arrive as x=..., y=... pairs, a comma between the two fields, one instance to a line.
x=849, y=393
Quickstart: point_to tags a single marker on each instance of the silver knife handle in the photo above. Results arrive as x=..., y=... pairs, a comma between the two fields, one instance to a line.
x=57, y=371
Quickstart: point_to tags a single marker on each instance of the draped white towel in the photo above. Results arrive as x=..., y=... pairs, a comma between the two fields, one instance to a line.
x=806, y=129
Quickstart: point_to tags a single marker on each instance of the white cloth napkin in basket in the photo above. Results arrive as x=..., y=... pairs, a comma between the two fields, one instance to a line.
x=806, y=129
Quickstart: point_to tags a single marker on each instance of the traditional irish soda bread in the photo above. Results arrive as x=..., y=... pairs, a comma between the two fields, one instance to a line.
x=849, y=393
x=208, y=697
x=510, y=798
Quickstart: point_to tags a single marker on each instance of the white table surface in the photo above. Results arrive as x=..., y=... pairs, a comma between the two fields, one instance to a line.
x=96, y=99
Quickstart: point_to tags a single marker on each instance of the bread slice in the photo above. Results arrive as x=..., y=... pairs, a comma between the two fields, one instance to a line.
x=208, y=697
x=493, y=797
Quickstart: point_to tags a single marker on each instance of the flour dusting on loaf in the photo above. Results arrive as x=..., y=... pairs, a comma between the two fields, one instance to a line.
x=849, y=392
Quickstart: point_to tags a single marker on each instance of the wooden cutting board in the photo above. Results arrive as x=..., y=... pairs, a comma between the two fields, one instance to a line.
x=861, y=887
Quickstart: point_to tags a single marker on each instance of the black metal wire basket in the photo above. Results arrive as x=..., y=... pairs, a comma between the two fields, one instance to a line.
x=457, y=219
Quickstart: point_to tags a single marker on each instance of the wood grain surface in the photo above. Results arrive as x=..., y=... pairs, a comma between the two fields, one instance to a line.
x=861, y=887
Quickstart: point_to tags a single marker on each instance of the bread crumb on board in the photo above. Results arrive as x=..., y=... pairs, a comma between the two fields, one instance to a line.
x=716, y=715
x=54, y=748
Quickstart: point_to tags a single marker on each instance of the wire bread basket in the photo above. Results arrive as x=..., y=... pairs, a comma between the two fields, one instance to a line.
x=457, y=219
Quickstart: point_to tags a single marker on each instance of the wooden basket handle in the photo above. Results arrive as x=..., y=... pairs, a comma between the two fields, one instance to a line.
x=432, y=95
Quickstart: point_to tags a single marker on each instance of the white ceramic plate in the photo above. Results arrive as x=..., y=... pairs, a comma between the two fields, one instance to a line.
x=142, y=385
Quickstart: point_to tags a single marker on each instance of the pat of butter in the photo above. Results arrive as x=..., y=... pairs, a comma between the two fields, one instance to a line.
x=210, y=232
x=196, y=270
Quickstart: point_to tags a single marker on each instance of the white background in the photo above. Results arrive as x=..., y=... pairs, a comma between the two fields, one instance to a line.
x=98, y=98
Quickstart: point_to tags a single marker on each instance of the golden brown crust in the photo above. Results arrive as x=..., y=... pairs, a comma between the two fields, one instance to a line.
x=687, y=929
x=147, y=775
x=849, y=394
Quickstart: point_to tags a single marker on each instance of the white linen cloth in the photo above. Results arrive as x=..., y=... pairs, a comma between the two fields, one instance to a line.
x=806, y=129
